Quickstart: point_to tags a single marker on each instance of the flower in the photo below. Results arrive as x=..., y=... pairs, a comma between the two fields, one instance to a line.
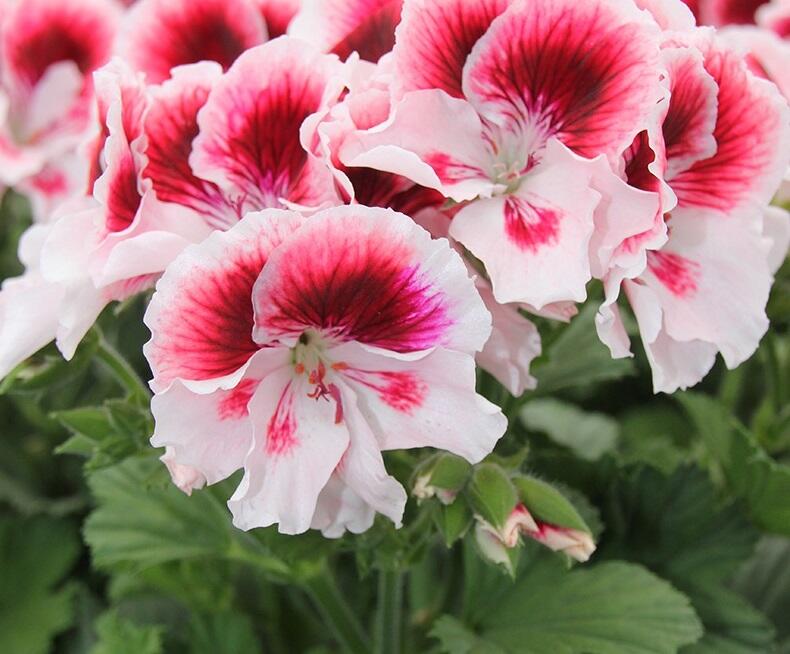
x=299, y=349
x=705, y=290
x=485, y=116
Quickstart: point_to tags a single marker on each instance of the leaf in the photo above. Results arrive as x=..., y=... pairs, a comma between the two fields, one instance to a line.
x=458, y=639
x=223, y=633
x=118, y=636
x=676, y=526
x=578, y=358
x=138, y=524
x=612, y=608
x=588, y=435
x=32, y=611
x=453, y=520
x=732, y=625
x=654, y=434
x=765, y=581
x=751, y=473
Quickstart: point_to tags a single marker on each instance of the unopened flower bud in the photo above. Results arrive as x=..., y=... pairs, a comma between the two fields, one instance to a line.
x=442, y=476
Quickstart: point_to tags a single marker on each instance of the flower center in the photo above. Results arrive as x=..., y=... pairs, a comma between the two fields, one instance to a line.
x=309, y=358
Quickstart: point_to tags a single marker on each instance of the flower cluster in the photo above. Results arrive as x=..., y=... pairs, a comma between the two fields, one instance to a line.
x=343, y=206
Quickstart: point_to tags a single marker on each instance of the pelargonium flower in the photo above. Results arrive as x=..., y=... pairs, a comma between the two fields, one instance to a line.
x=148, y=202
x=726, y=140
x=49, y=50
x=299, y=349
x=345, y=26
x=487, y=116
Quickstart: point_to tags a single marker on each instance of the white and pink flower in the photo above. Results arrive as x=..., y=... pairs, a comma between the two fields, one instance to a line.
x=299, y=349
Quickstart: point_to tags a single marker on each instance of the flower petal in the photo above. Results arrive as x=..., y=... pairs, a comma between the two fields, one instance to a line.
x=340, y=509
x=752, y=135
x=434, y=39
x=249, y=142
x=201, y=316
x=585, y=72
x=535, y=241
x=346, y=26
x=171, y=126
x=426, y=403
x=162, y=34
x=369, y=275
x=297, y=446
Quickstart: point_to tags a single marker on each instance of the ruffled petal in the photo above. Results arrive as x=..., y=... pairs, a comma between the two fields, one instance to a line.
x=585, y=72
x=201, y=316
x=162, y=34
x=435, y=38
x=340, y=509
x=430, y=402
x=170, y=127
x=249, y=143
x=752, y=136
x=369, y=275
x=297, y=446
x=534, y=242
x=346, y=26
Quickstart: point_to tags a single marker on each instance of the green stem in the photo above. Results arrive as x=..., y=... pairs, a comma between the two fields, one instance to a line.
x=122, y=371
x=336, y=613
x=390, y=608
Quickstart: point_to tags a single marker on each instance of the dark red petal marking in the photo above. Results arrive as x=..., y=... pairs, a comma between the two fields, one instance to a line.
x=637, y=159
x=677, y=273
x=530, y=226
x=233, y=405
x=403, y=391
x=259, y=150
x=435, y=39
x=123, y=195
x=725, y=12
x=39, y=33
x=374, y=188
x=278, y=14
x=281, y=430
x=353, y=281
x=747, y=126
x=171, y=126
x=169, y=33
x=576, y=70
x=687, y=127
x=374, y=35
x=209, y=332
x=694, y=6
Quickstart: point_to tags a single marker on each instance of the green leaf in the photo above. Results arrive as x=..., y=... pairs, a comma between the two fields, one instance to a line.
x=139, y=524
x=453, y=520
x=588, y=435
x=223, y=633
x=578, y=358
x=750, y=472
x=118, y=636
x=612, y=608
x=547, y=504
x=32, y=610
x=458, y=639
x=655, y=434
x=492, y=495
x=765, y=581
x=732, y=626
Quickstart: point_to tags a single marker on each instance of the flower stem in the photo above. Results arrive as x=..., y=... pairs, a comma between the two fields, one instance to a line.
x=390, y=608
x=124, y=374
x=336, y=613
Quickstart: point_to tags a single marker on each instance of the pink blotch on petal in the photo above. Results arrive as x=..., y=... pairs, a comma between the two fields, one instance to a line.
x=281, y=429
x=450, y=170
x=677, y=273
x=233, y=405
x=531, y=226
x=403, y=391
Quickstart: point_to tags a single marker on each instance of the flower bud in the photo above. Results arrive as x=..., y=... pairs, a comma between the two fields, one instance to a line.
x=492, y=496
x=577, y=544
x=442, y=476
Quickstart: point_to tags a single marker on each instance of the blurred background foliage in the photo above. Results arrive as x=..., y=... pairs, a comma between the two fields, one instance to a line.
x=689, y=496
